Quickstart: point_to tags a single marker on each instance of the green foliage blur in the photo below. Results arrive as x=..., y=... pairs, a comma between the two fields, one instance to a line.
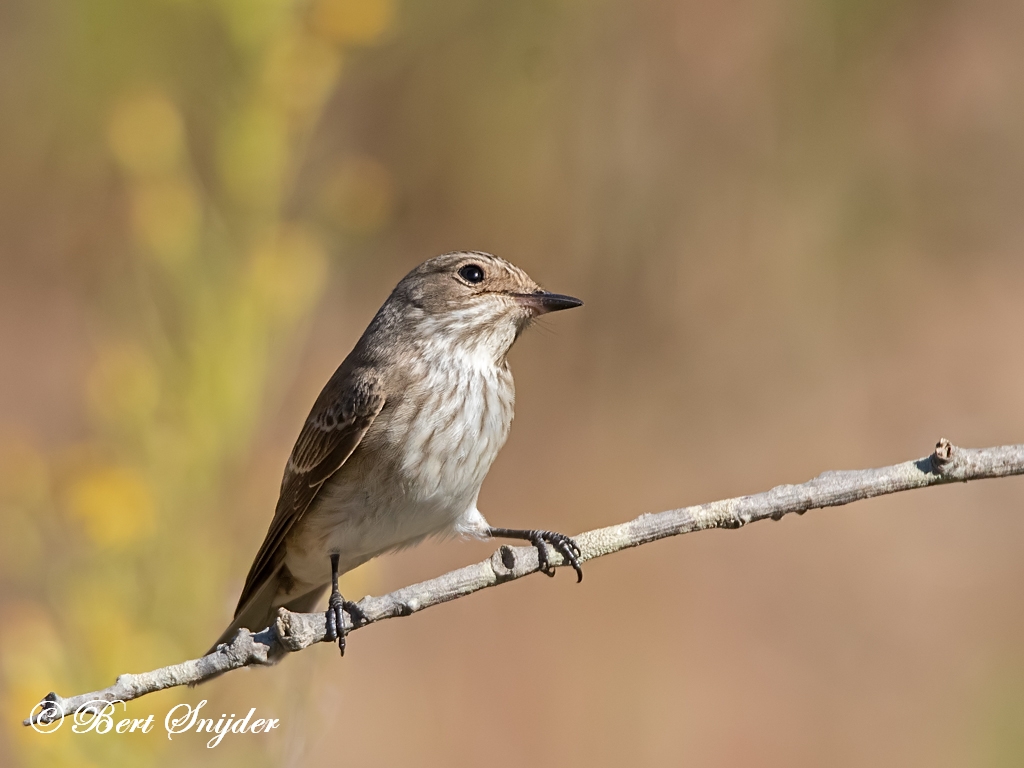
x=198, y=115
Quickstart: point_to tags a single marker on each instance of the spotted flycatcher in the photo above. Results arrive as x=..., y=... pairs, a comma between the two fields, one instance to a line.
x=398, y=443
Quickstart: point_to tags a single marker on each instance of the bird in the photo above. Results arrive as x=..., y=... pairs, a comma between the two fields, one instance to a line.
x=399, y=441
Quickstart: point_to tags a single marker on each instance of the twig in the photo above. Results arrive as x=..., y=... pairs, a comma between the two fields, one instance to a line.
x=295, y=631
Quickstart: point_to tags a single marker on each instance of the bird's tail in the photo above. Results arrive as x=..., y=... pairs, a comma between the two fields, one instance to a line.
x=260, y=612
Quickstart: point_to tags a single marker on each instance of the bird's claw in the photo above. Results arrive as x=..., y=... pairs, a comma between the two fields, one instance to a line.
x=563, y=544
x=337, y=608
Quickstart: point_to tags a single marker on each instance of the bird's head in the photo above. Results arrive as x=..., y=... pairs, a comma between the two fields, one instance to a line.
x=473, y=300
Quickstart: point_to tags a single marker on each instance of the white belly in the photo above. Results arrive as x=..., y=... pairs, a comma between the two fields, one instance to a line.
x=417, y=473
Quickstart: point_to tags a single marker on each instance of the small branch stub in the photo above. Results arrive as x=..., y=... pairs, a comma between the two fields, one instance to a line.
x=942, y=456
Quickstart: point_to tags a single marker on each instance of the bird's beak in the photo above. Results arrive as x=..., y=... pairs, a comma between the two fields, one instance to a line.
x=543, y=302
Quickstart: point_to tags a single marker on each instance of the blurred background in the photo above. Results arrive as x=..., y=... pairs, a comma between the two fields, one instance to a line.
x=797, y=228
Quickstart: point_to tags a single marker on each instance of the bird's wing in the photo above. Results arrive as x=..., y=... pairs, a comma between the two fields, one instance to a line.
x=340, y=417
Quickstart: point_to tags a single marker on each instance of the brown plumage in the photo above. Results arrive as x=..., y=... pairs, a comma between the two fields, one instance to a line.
x=400, y=439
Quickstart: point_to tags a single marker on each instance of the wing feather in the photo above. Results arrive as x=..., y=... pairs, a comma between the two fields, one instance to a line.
x=340, y=417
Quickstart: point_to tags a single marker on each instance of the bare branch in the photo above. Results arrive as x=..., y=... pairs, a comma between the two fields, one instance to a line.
x=295, y=631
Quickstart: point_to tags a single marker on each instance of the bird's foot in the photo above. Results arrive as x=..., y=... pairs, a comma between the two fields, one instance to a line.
x=336, y=610
x=563, y=544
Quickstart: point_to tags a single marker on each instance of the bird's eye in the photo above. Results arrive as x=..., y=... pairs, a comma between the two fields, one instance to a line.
x=471, y=273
